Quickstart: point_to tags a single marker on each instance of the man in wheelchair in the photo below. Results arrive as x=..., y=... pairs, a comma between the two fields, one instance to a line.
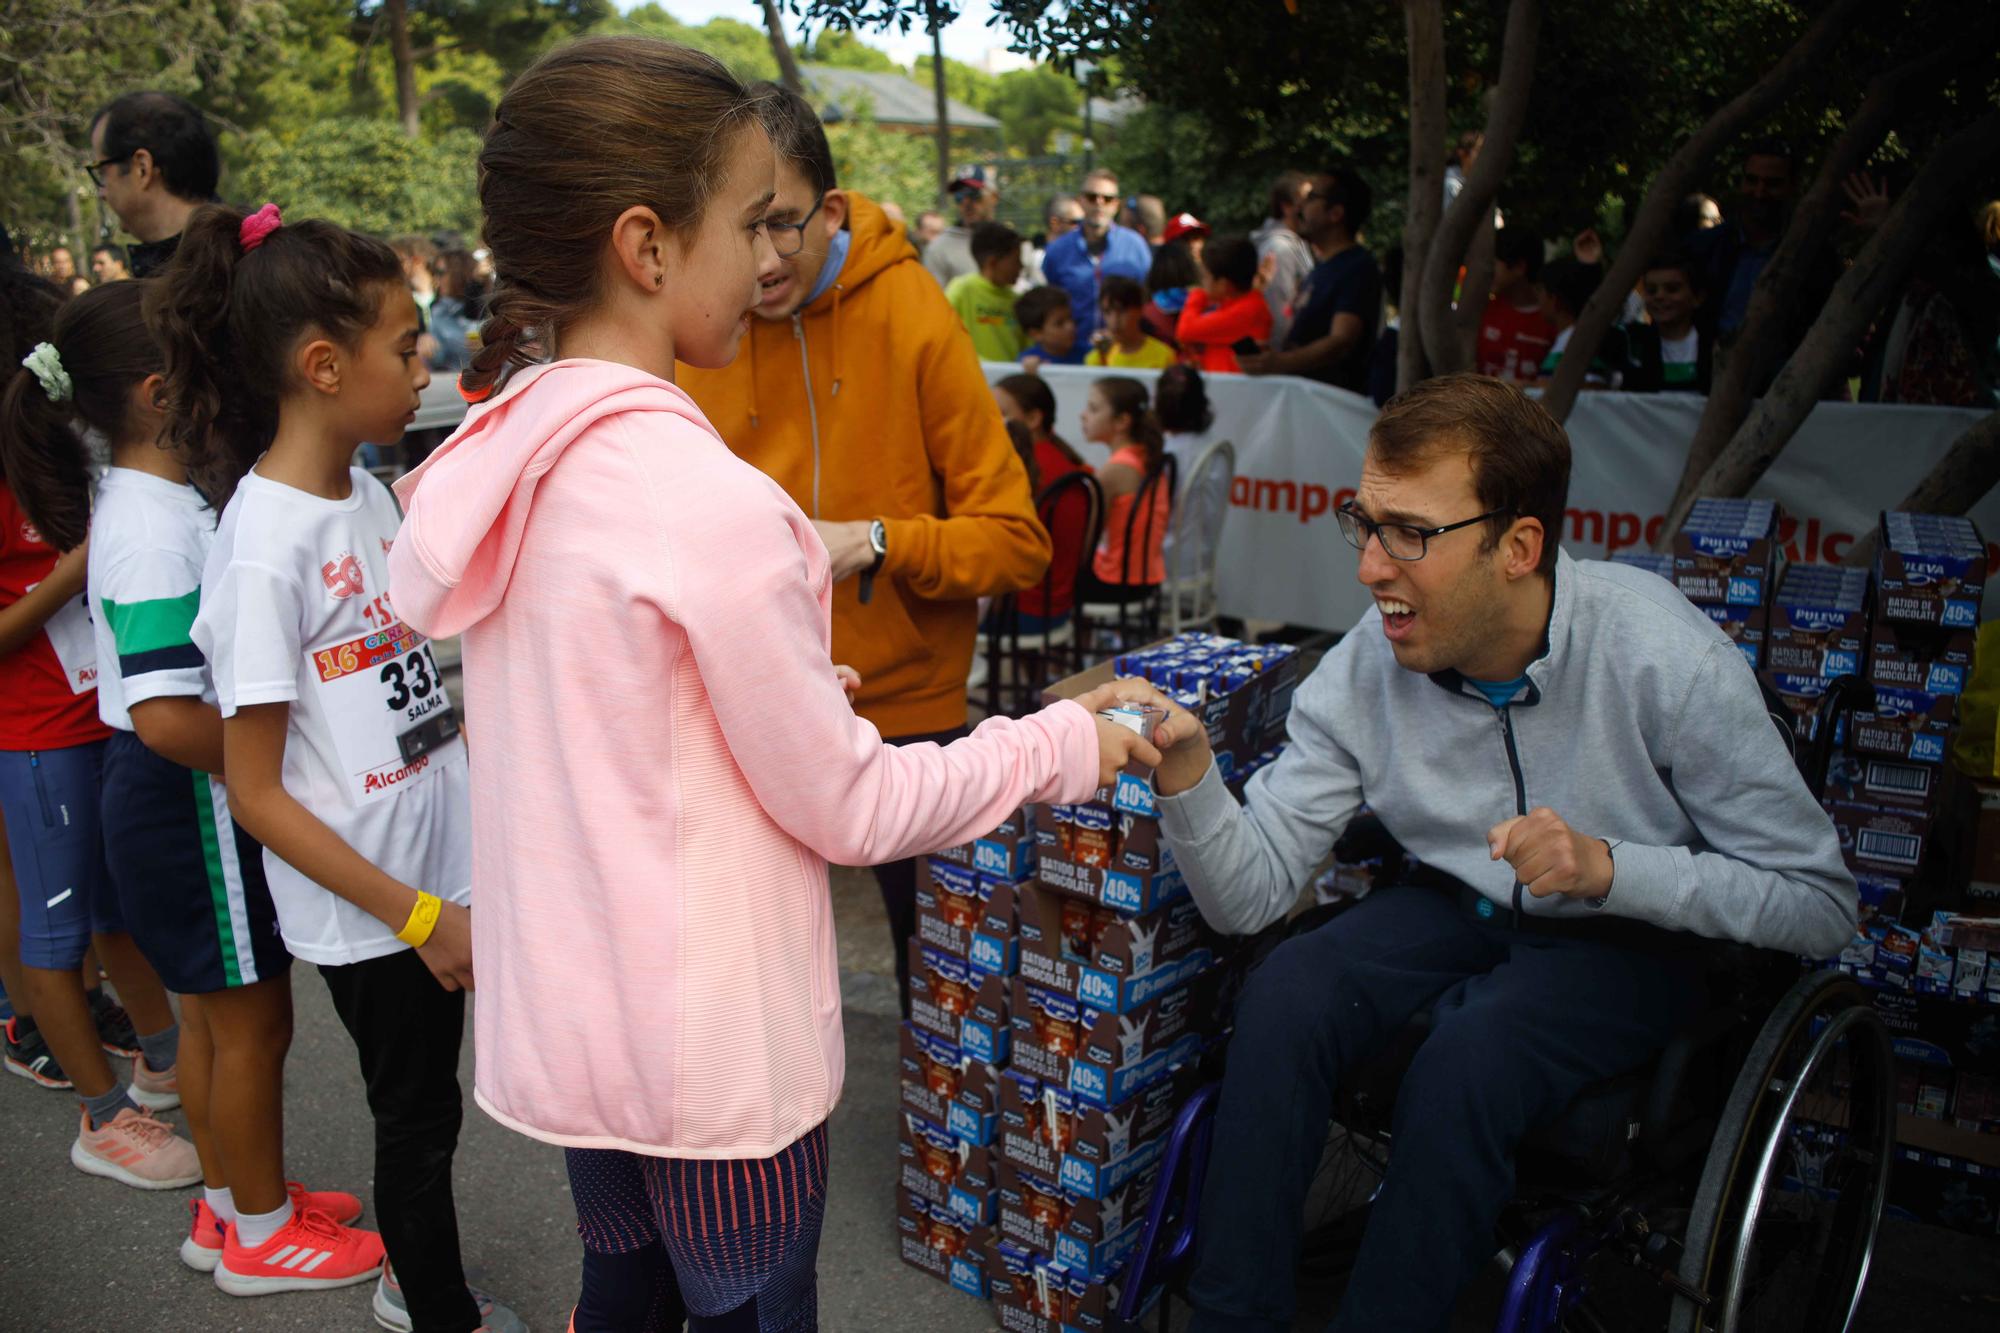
x=1582, y=763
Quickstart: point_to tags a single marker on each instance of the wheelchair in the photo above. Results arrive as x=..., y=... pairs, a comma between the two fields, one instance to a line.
x=1735, y=1184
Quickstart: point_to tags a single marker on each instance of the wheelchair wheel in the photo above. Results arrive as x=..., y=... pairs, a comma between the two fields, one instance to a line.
x=1783, y=1223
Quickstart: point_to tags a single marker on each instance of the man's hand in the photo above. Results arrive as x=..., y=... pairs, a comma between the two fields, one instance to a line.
x=850, y=680
x=1182, y=740
x=847, y=546
x=1869, y=199
x=1258, y=363
x=1550, y=857
x=448, y=952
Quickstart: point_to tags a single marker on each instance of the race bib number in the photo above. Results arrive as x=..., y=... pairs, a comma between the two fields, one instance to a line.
x=75, y=642
x=376, y=690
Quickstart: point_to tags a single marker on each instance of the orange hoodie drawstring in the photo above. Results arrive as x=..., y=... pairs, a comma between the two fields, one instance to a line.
x=839, y=290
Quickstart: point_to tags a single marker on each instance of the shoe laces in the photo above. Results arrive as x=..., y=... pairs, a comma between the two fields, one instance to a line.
x=152, y=1132
x=316, y=1222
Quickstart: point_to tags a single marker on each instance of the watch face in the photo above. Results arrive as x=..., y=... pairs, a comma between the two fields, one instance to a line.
x=878, y=537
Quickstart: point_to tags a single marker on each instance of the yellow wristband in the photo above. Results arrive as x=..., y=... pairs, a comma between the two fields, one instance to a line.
x=423, y=920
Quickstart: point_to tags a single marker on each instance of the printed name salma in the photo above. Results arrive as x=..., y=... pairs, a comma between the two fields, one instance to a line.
x=426, y=707
x=385, y=778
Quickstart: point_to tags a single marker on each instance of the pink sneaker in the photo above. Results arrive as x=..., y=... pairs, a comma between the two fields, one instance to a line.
x=137, y=1150
x=202, y=1250
x=154, y=1091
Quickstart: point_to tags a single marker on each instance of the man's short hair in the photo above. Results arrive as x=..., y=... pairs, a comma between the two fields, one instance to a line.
x=1519, y=453
x=1232, y=259
x=1285, y=191
x=1770, y=145
x=413, y=247
x=994, y=240
x=1571, y=282
x=173, y=131
x=111, y=248
x=1150, y=212
x=1517, y=245
x=1120, y=293
x=1099, y=174
x=1055, y=202
x=1037, y=304
x=1344, y=186
x=796, y=134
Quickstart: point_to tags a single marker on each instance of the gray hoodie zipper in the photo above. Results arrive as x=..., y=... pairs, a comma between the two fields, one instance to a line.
x=812, y=409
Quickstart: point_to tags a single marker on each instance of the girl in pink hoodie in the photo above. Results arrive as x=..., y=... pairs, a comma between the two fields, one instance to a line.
x=664, y=761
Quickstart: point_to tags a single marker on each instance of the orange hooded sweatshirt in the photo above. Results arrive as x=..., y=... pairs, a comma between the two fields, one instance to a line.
x=870, y=403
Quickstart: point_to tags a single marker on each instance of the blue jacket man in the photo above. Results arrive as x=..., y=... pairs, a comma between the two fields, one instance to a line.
x=1079, y=259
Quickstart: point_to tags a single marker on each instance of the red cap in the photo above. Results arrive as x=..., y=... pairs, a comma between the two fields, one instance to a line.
x=1184, y=224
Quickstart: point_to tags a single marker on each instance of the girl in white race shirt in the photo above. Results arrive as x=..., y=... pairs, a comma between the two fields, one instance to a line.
x=52, y=748
x=287, y=347
x=189, y=883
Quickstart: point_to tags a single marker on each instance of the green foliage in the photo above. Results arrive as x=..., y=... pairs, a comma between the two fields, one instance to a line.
x=974, y=87
x=1033, y=105
x=743, y=47
x=886, y=166
x=839, y=46
x=365, y=174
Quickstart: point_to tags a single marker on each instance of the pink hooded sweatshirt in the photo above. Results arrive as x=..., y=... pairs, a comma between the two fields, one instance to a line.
x=663, y=763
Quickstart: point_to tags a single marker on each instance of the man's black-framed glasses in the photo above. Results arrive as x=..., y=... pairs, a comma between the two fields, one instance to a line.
x=94, y=169
x=1400, y=541
x=788, y=238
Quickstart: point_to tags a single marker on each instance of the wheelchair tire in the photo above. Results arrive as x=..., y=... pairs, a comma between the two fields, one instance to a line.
x=1775, y=1118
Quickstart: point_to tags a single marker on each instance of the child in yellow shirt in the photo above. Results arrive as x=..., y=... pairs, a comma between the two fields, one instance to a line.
x=1121, y=340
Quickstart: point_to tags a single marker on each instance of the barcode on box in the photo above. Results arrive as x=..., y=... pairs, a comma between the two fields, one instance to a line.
x=1899, y=849
x=1898, y=779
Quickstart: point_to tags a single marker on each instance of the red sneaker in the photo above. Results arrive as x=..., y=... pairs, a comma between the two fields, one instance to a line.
x=202, y=1250
x=310, y=1252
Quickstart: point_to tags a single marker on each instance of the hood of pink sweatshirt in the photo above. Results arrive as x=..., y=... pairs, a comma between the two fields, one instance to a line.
x=465, y=530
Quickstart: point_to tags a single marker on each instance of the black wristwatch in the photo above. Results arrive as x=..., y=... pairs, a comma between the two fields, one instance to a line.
x=878, y=542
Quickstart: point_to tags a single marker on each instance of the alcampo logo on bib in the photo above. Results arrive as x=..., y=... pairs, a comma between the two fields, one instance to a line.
x=342, y=576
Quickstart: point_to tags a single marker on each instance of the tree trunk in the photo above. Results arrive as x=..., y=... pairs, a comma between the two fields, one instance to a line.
x=1649, y=228
x=1779, y=288
x=1424, y=23
x=1878, y=272
x=1961, y=479
x=1474, y=292
x=937, y=87
x=1473, y=208
x=406, y=65
x=788, y=68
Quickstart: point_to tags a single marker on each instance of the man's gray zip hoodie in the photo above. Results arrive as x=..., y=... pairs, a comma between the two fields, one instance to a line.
x=1642, y=724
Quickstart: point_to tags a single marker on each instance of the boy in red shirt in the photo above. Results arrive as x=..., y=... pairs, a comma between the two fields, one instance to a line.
x=1226, y=310
x=1514, y=334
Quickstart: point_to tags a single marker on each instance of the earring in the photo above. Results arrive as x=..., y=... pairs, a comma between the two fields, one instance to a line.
x=659, y=279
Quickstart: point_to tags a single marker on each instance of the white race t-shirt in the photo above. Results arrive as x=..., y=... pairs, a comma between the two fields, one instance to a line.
x=295, y=609
x=149, y=538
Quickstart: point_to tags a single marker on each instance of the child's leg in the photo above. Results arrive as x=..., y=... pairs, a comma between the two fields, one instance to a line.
x=138, y=986
x=10, y=934
x=628, y=1282
x=406, y=1030
x=250, y=1030
x=197, y=1071
x=755, y=1273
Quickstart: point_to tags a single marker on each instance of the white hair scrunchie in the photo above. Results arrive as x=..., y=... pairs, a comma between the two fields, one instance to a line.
x=47, y=368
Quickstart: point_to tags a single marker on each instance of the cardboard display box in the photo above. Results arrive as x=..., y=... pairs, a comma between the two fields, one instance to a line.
x=1089, y=1236
x=1916, y=657
x=1104, y=1058
x=1006, y=855
x=1032, y=1293
x=1057, y=927
x=1861, y=777
x=943, y=1244
x=968, y=916
x=1117, y=860
x=1930, y=569
x=1905, y=724
x=1888, y=840
x=1801, y=696
x=1818, y=622
x=945, y=1171
x=1747, y=628
x=1727, y=551
x=940, y=1084
x=952, y=999
x=1088, y=1150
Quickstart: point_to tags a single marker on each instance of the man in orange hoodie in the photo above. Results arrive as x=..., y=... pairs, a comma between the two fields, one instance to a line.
x=858, y=391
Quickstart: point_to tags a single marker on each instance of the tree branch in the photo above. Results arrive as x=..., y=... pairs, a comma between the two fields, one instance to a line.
x=1649, y=228
x=1424, y=26
x=1960, y=480
x=1878, y=272
x=1474, y=204
x=1761, y=340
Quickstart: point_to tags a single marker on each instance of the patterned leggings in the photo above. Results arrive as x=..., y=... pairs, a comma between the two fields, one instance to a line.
x=727, y=1247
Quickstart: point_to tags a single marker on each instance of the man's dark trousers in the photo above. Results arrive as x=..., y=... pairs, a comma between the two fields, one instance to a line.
x=1521, y=1023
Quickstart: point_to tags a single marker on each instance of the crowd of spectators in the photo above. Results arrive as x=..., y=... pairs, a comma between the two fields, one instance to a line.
x=1116, y=280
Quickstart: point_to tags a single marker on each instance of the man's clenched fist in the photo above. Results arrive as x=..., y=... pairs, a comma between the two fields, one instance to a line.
x=1549, y=856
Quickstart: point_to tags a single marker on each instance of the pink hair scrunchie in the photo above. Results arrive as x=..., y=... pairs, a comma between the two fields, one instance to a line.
x=258, y=226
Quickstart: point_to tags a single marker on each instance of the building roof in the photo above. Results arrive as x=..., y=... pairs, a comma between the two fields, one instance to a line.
x=893, y=99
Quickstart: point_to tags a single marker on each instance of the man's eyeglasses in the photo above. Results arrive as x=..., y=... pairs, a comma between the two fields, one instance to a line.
x=94, y=168
x=788, y=238
x=1089, y=196
x=1400, y=541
